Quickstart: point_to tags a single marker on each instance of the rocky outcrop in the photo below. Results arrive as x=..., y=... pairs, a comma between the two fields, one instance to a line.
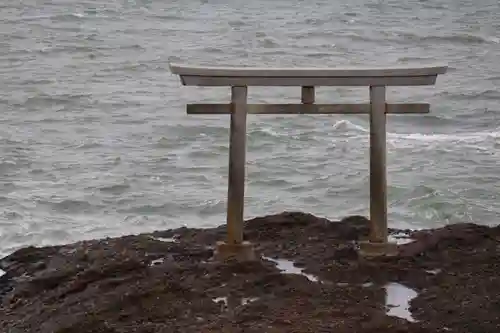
x=167, y=282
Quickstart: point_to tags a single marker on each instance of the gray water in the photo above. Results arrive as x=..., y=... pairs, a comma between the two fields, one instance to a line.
x=95, y=141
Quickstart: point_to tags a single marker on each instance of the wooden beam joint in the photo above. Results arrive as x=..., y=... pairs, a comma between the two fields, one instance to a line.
x=307, y=95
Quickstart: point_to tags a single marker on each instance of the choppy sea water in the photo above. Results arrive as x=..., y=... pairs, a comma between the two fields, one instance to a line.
x=95, y=142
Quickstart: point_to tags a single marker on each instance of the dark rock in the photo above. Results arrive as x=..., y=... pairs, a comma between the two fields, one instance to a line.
x=142, y=284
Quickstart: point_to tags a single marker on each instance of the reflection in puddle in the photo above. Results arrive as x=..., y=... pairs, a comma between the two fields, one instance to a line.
x=400, y=238
x=287, y=267
x=398, y=300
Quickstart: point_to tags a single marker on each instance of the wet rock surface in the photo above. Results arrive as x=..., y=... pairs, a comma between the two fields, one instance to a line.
x=443, y=280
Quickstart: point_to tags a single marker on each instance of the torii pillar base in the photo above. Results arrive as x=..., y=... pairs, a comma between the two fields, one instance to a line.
x=369, y=249
x=243, y=251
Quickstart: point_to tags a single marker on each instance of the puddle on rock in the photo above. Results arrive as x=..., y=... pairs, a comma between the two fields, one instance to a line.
x=220, y=299
x=434, y=271
x=167, y=239
x=233, y=302
x=156, y=262
x=347, y=284
x=400, y=238
x=398, y=299
x=288, y=267
x=248, y=300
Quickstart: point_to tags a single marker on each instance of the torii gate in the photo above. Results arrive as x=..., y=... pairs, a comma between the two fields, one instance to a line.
x=240, y=78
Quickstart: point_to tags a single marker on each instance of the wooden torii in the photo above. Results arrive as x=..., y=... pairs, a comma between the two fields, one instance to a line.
x=240, y=78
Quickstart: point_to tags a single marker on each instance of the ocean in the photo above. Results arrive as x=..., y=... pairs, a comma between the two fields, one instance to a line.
x=95, y=140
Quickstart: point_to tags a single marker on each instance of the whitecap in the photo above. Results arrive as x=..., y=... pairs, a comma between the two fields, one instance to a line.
x=264, y=131
x=411, y=139
x=471, y=137
x=345, y=126
x=400, y=238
